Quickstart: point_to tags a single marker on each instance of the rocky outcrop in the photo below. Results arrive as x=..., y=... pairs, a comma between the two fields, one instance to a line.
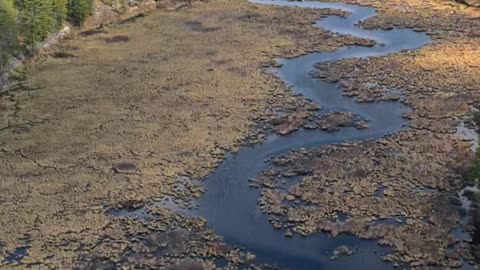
x=117, y=10
x=17, y=62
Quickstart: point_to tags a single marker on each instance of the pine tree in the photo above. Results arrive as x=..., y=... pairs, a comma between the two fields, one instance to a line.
x=474, y=174
x=8, y=31
x=59, y=12
x=35, y=20
x=31, y=21
x=79, y=10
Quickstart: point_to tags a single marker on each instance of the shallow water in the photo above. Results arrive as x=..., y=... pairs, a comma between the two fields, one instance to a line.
x=18, y=254
x=230, y=205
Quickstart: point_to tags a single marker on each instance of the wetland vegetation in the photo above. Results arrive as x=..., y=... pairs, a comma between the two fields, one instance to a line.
x=231, y=134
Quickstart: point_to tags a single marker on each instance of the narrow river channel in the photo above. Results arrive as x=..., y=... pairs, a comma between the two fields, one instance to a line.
x=230, y=205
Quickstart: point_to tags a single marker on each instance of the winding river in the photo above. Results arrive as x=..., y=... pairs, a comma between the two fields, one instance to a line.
x=230, y=205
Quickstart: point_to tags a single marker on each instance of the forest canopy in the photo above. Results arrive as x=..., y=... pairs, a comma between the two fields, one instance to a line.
x=25, y=22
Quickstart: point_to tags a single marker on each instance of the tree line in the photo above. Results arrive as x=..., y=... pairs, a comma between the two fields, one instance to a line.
x=26, y=22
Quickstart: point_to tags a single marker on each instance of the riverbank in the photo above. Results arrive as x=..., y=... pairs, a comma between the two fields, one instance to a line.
x=128, y=114
x=409, y=201
x=113, y=117
x=400, y=190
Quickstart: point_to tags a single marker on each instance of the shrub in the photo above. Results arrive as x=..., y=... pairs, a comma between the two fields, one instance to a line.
x=79, y=10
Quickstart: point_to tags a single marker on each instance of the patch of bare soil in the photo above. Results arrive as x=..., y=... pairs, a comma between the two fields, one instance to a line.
x=117, y=39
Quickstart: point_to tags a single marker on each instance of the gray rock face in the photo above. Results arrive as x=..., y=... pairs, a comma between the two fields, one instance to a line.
x=13, y=63
x=341, y=251
x=3, y=80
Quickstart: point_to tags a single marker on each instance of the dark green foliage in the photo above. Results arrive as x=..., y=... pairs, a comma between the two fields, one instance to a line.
x=79, y=10
x=38, y=18
x=23, y=23
x=59, y=12
x=474, y=173
x=35, y=20
x=26, y=22
x=8, y=31
x=476, y=118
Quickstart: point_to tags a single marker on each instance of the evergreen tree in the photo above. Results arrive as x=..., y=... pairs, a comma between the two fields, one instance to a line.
x=27, y=22
x=8, y=31
x=474, y=174
x=79, y=10
x=59, y=12
x=35, y=20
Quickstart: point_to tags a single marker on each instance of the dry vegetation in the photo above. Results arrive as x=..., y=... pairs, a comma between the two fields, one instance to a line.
x=117, y=114
x=400, y=190
x=138, y=104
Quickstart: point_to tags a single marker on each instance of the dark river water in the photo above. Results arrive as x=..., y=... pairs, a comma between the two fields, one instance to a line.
x=230, y=205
